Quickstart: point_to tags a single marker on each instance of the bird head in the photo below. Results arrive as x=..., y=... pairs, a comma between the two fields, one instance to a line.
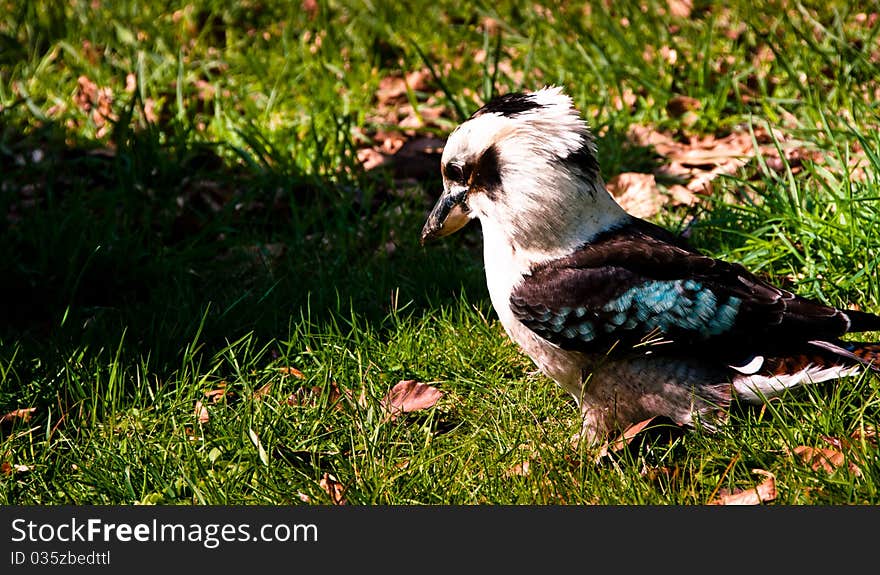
x=525, y=165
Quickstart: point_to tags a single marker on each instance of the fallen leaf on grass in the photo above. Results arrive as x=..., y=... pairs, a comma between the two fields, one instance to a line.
x=334, y=489
x=263, y=391
x=23, y=414
x=761, y=493
x=637, y=193
x=868, y=434
x=99, y=101
x=414, y=158
x=287, y=370
x=392, y=89
x=218, y=393
x=398, y=140
x=311, y=8
x=625, y=438
x=836, y=442
x=698, y=160
x=521, y=468
x=409, y=395
x=7, y=468
x=678, y=106
x=309, y=396
x=681, y=8
x=371, y=158
x=524, y=457
x=303, y=396
x=823, y=458
x=202, y=412
x=214, y=395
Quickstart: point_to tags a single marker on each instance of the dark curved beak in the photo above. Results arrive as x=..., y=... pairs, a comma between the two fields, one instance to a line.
x=449, y=215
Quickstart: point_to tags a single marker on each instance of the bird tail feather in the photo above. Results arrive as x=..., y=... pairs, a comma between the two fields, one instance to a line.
x=863, y=352
x=862, y=321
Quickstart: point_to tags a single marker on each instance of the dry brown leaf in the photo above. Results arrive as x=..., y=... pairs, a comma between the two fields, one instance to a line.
x=218, y=393
x=310, y=7
x=333, y=393
x=23, y=414
x=677, y=106
x=409, y=395
x=761, y=493
x=525, y=456
x=130, y=82
x=680, y=8
x=625, y=438
x=521, y=468
x=390, y=142
x=637, y=193
x=385, y=145
x=371, y=158
x=868, y=433
x=99, y=101
x=202, y=412
x=393, y=88
x=86, y=93
x=214, y=395
x=669, y=54
x=310, y=396
x=823, y=458
x=709, y=151
x=681, y=196
x=699, y=160
x=820, y=457
x=334, y=489
x=263, y=391
x=287, y=370
x=6, y=468
x=836, y=442
x=404, y=119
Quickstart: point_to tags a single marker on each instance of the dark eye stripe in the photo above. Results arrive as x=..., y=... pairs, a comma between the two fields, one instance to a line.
x=487, y=176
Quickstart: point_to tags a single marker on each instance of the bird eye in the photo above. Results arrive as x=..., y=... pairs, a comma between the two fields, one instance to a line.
x=454, y=172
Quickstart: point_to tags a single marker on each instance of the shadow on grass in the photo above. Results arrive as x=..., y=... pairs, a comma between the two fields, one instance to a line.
x=156, y=239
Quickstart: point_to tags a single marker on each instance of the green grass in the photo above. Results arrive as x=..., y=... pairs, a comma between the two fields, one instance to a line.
x=217, y=228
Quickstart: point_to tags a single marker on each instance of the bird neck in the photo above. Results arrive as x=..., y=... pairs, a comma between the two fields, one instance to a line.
x=556, y=229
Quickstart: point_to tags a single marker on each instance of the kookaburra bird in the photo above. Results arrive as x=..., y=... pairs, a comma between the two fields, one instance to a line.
x=624, y=315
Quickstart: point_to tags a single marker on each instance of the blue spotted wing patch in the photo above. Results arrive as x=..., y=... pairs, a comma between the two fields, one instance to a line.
x=638, y=283
x=684, y=309
x=670, y=307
